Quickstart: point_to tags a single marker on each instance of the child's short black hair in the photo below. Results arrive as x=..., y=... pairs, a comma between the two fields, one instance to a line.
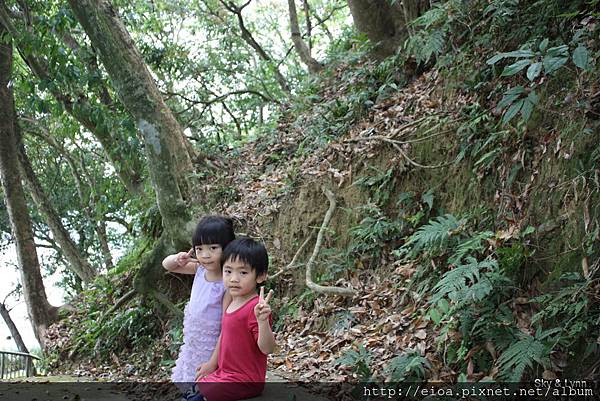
x=248, y=251
x=214, y=230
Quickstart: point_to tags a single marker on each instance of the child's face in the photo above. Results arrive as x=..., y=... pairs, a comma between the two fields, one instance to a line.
x=209, y=256
x=239, y=278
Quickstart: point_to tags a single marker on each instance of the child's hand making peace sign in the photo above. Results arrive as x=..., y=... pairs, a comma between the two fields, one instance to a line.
x=262, y=310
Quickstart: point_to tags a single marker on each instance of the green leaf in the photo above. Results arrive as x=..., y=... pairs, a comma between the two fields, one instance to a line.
x=428, y=198
x=512, y=111
x=443, y=306
x=580, y=57
x=515, y=68
x=510, y=96
x=493, y=60
x=526, y=110
x=544, y=45
x=533, y=97
x=562, y=50
x=552, y=64
x=515, y=53
x=435, y=315
x=534, y=70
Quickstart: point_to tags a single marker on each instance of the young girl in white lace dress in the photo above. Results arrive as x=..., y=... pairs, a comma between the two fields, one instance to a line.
x=202, y=314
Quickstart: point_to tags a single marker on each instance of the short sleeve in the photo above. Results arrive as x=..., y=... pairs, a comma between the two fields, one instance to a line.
x=253, y=324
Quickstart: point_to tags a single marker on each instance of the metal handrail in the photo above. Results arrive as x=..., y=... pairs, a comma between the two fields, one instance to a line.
x=17, y=364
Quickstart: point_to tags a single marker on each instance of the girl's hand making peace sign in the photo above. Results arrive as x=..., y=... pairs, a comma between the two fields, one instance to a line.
x=262, y=310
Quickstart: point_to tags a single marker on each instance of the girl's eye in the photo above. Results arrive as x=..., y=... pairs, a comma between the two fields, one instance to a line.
x=243, y=273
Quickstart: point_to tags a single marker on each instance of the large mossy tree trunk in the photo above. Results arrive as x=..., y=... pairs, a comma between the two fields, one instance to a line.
x=168, y=160
x=385, y=23
x=39, y=309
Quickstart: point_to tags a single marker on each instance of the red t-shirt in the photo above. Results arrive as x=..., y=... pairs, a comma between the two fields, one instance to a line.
x=242, y=366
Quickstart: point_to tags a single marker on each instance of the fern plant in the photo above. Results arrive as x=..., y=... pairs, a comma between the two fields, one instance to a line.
x=359, y=360
x=374, y=231
x=431, y=30
x=467, y=282
x=523, y=353
x=433, y=237
x=407, y=367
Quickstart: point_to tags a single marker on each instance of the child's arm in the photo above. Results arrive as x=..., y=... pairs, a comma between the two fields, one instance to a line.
x=262, y=311
x=211, y=365
x=180, y=262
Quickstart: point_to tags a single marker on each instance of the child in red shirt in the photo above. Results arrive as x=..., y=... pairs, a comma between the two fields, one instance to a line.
x=246, y=336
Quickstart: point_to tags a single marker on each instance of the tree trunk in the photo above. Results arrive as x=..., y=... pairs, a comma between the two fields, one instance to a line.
x=168, y=160
x=40, y=311
x=384, y=23
x=14, y=332
x=301, y=48
x=76, y=262
x=104, y=247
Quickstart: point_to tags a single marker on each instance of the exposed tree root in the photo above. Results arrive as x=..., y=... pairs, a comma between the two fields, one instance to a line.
x=309, y=282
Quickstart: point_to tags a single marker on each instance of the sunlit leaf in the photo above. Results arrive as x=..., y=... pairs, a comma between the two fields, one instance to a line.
x=515, y=68
x=581, y=58
x=534, y=70
x=552, y=64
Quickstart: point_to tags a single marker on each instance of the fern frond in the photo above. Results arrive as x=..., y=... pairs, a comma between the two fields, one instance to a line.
x=433, y=236
x=407, y=366
x=463, y=284
x=523, y=353
x=469, y=246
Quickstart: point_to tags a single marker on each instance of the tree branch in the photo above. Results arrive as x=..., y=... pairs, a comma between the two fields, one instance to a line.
x=249, y=39
x=293, y=264
x=303, y=51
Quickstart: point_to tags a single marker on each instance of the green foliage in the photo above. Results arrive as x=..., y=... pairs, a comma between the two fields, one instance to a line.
x=470, y=282
x=374, y=232
x=539, y=63
x=432, y=29
x=409, y=366
x=571, y=306
x=433, y=237
x=360, y=361
x=523, y=353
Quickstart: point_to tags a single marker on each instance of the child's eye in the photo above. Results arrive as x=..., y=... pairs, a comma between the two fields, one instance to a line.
x=214, y=248
x=243, y=273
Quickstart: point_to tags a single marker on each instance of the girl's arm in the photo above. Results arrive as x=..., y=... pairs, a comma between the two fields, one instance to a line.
x=262, y=310
x=180, y=263
x=211, y=365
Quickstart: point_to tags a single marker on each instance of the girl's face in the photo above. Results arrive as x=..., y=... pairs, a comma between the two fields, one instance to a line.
x=240, y=279
x=209, y=256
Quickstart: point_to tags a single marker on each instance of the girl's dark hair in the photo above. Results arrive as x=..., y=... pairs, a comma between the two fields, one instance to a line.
x=248, y=251
x=214, y=230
